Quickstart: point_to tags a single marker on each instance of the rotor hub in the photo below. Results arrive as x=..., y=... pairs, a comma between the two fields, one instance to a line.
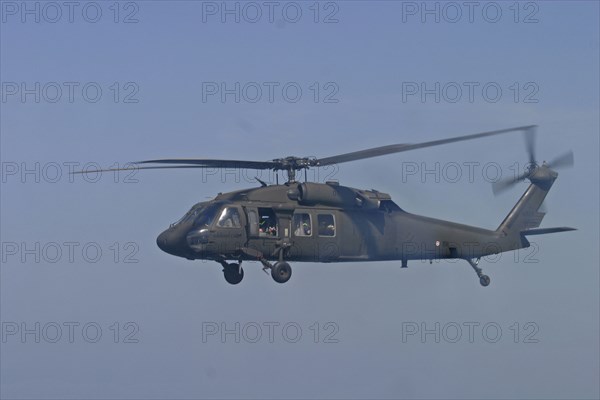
x=291, y=164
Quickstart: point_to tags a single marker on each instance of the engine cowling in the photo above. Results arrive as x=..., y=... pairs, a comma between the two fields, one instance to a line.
x=334, y=195
x=309, y=193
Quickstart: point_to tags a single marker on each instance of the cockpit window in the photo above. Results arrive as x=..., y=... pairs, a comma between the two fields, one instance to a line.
x=202, y=214
x=179, y=220
x=206, y=216
x=229, y=218
x=188, y=216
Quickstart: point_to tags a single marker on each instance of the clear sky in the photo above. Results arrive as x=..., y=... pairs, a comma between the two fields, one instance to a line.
x=106, y=83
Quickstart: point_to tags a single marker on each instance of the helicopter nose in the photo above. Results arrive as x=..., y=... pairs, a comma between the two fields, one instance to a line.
x=166, y=242
x=162, y=241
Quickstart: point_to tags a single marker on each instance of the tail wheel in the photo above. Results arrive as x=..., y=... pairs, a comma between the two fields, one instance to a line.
x=281, y=272
x=484, y=280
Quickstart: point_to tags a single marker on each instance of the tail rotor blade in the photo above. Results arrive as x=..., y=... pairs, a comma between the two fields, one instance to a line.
x=566, y=160
x=530, y=134
x=503, y=185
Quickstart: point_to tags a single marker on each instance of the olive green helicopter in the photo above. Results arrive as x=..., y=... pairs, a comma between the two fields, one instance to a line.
x=327, y=222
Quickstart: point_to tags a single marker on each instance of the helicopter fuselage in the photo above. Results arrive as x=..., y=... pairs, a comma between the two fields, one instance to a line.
x=315, y=222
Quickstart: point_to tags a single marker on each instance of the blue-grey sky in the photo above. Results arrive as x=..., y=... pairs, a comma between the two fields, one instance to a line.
x=106, y=83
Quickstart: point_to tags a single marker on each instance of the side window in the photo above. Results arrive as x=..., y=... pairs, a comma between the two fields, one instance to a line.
x=229, y=218
x=253, y=222
x=326, y=224
x=301, y=224
x=267, y=222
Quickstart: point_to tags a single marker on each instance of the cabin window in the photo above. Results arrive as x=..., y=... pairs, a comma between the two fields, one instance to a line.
x=229, y=218
x=267, y=222
x=326, y=224
x=301, y=224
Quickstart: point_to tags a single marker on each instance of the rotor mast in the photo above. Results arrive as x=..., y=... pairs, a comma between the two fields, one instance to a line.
x=292, y=164
x=291, y=173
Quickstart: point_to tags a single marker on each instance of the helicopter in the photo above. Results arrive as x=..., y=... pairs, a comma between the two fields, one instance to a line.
x=327, y=222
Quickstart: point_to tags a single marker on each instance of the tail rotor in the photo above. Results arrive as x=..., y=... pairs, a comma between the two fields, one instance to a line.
x=534, y=172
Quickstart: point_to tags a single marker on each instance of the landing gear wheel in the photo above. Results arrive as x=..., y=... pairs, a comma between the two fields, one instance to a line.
x=233, y=273
x=484, y=280
x=281, y=272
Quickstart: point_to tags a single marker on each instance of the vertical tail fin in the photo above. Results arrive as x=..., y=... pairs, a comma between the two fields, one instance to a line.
x=525, y=214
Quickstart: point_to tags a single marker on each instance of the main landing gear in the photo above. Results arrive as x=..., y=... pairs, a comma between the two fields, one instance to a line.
x=484, y=280
x=233, y=272
x=281, y=271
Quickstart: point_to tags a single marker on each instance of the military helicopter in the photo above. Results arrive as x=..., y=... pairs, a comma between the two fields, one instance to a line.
x=328, y=222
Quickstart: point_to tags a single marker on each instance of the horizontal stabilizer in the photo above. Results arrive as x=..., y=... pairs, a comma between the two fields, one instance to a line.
x=543, y=231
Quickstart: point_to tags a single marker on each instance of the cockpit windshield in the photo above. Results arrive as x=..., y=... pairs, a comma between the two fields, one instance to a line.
x=191, y=214
x=207, y=215
x=202, y=214
x=188, y=215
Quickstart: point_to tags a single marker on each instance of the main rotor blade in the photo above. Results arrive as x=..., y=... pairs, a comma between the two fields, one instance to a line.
x=206, y=163
x=397, y=148
x=135, y=167
x=530, y=144
x=566, y=160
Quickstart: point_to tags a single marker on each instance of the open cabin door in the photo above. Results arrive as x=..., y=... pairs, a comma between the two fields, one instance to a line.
x=267, y=229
